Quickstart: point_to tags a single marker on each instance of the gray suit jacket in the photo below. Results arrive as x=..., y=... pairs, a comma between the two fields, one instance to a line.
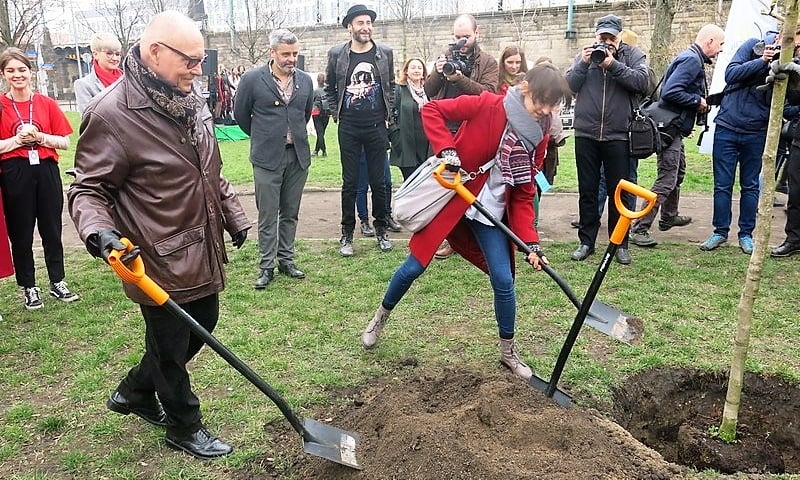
x=85, y=89
x=261, y=112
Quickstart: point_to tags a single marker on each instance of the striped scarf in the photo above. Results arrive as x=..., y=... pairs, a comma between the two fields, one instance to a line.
x=514, y=159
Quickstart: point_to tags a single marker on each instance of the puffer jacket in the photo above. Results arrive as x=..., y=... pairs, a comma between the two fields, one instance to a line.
x=604, y=97
x=336, y=75
x=139, y=173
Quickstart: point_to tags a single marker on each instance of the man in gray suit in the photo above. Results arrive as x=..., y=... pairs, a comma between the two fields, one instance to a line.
x=273, y=105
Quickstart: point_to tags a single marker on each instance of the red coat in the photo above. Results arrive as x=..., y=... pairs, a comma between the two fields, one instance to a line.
x=484, y=120
x=6, y=265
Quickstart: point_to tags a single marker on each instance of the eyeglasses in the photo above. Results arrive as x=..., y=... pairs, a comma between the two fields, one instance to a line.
x=191, y=62
x=112, y=53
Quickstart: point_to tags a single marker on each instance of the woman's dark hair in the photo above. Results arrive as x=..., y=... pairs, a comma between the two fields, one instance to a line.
x=13, y=53
x=546, y=84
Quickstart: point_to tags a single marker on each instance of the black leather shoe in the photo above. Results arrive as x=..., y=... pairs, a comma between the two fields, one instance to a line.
x=366, y=230
x=575, y=223
x=785, y=250
x=151, y=413
x=623, y=256
x=392, y=225
x=582, y=252
x=201, y=444
x=291, y=271
x=266, y=277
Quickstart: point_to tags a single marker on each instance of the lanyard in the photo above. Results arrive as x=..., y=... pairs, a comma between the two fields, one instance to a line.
x=30, y=111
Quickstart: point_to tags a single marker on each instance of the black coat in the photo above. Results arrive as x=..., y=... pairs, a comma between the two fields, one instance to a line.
x=410, y=146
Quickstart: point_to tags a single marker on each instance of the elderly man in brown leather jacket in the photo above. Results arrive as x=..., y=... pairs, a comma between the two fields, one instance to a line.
x=148, y=168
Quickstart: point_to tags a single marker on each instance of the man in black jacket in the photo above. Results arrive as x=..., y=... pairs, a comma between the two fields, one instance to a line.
x=684, y=90
x=606, y=76
x=360, y=87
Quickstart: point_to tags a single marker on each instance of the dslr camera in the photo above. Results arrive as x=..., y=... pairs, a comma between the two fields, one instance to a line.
x=758, y=50
x=457, y=61
x=598, y=52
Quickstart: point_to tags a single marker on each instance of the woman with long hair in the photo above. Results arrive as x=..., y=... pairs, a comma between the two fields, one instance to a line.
x=512, y=67
x=501, y=143
x=32, y=128
x=410, y=146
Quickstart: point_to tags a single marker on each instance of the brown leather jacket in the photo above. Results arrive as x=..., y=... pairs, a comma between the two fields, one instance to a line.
x=138, y=172
x=484, y=78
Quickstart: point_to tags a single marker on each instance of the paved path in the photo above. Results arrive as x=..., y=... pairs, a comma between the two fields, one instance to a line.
x=320, y=213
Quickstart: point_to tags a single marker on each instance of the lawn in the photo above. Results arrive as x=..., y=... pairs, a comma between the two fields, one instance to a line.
x=58, y=364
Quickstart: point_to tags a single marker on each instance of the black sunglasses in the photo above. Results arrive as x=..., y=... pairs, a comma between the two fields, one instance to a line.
x=191, y=62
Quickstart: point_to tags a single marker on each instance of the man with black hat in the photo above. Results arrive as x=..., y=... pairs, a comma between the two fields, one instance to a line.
x=606, y=76
x=360, y=86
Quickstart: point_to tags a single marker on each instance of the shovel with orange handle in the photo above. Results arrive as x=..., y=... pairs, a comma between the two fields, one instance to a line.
x=318, y=438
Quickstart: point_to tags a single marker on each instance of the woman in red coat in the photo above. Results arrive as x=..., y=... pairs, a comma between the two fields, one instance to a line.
x=512, y=130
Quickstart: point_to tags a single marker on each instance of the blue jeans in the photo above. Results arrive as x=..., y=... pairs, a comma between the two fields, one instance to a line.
x=496, y=249
x=732, y=148
x=363, y=186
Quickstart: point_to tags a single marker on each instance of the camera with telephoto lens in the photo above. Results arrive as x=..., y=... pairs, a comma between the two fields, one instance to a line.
x=598, y=52
x=457, y=61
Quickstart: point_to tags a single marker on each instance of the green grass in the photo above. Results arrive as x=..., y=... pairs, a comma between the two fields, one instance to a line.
x=326, y=172
x=58, y=364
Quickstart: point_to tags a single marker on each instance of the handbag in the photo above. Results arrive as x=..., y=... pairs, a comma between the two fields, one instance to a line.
x=644, y=139
x=420, y=198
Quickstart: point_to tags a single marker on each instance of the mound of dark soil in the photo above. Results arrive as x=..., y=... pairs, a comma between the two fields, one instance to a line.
x=467, y=425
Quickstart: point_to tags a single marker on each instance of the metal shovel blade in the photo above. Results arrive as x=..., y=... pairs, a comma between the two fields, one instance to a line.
x=615, y=323
x=561, y=398
x=332, y=443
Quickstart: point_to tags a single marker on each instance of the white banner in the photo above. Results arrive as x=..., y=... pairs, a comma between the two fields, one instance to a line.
x=745, y=21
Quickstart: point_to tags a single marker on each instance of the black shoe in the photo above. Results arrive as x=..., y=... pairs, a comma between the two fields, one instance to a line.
x=366, y=230
x=392, y=225
x=291, y=271
x=266, y=277
x=676, y=221
x=786, y=249
x=151, y=413
x=623, y=256
x=582, y=252
x=200, y=444
x=575, y=223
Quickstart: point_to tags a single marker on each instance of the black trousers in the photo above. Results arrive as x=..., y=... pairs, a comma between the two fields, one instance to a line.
x=374, y=140
x=792, y=169
x=169, y=345
x=589, y=156
x=320, y=124
x=33, y=196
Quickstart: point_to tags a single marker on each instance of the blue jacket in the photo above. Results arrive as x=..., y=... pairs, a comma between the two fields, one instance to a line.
x=684, y=85
x=745, y=110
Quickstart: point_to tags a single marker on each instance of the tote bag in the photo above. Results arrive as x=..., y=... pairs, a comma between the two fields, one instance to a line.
x=420, y=198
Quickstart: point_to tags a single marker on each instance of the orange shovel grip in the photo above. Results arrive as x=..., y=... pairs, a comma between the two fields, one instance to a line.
x=625, y=215
x=456, y=184
x=135, y=274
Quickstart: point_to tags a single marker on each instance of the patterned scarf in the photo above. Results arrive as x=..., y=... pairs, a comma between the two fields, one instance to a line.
x=418, y=95
x=106, y=77
x=519, y=141
x=178, y=105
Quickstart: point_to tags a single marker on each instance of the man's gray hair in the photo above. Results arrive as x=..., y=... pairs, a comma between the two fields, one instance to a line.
x=281, y=36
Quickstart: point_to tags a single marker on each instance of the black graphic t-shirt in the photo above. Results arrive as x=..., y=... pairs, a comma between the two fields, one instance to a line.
x=363, y=97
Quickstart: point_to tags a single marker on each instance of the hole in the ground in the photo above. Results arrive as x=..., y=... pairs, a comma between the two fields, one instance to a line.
x=673, y=410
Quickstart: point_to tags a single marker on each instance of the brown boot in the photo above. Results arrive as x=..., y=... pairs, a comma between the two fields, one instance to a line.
x=370, y=336
x=509, y=358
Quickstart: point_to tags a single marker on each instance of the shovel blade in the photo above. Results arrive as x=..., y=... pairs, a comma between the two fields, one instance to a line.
x=561, y=398
x=614, y=323
x=331, y=443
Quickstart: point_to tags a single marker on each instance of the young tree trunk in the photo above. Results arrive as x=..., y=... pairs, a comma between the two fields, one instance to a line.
x=662, y=36
x=730, y=414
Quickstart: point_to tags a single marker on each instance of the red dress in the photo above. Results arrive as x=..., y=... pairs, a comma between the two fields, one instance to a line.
x=6, y=265
x=484, y=120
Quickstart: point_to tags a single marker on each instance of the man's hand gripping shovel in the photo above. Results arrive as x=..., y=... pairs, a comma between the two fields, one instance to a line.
x=613, y=323
x=602, y=317
x=318, y=438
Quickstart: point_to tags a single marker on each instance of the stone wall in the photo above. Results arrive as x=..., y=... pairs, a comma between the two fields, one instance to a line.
x=541, y=32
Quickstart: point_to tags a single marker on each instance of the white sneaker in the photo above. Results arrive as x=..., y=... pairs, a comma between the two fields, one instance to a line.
x=61, y=292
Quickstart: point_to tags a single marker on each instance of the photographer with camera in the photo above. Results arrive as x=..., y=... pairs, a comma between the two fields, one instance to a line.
x=463, y=69
x=684, y=90
x=739, y=137
x=605, y=77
